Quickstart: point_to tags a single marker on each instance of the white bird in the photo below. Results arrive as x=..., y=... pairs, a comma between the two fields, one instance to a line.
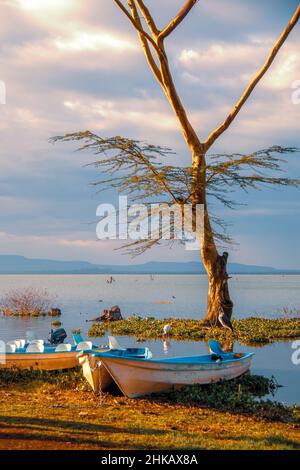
x=167, y=329
x=224, y=320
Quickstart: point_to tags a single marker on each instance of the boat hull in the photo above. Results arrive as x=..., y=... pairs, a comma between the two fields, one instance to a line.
x=40, y=361
x=95, y=373
x=139, y=378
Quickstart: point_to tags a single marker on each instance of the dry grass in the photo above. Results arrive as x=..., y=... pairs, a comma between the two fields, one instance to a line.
x=44, y=416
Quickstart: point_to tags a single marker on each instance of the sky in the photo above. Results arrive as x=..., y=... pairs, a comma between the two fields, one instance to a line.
x=70, y=65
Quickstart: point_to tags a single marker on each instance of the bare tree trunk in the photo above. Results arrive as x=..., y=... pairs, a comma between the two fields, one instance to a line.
x=215, y=265
x=218, y=299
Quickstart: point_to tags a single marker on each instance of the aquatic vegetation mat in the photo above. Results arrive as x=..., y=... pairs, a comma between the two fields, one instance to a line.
x=242, y=395
x=248, y=331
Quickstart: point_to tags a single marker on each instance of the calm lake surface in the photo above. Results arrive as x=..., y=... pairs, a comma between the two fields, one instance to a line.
x=84, y=297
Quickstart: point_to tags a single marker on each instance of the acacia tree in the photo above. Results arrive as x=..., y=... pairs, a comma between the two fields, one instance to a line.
x=194, y=184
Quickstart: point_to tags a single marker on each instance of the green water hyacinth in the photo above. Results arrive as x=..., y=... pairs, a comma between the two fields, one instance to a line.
x=246, y=331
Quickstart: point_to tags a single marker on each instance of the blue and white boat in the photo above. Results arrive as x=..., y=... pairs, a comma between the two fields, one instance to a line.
x=92, y=363
x=139, y=376
x=38, y=354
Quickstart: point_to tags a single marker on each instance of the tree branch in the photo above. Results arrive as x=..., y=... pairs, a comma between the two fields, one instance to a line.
x=224, y=126
x=136, y=26
x=159, y=178
x=164, y=75
x=178, y=19
x=149, y=19
x=145, y=44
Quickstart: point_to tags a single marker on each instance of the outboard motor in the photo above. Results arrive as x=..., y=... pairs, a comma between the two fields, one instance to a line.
x=57, y=336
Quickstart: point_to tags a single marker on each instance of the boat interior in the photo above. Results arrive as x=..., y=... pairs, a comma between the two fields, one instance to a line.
x=41, y=347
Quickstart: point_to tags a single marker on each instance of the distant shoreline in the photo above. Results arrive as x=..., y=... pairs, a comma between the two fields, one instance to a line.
x=20, y=265
x=283, y=273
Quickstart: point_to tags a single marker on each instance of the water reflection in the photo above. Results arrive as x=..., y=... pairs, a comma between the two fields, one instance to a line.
x=227, y=345
x=166, y=345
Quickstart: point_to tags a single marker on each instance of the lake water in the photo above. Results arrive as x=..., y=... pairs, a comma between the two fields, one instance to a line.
x=166, y=296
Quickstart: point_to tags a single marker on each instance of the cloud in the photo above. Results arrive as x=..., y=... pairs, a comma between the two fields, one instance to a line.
x=77, y=65
x=45, y=5
x=54, y=246
x=88, y=41
x=12, y=207
x=81, y=246
x=230, y=65
x=64, y=51
x=286, y=70
x=140, y=113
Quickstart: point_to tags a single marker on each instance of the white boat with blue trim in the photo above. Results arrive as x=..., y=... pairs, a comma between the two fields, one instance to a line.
x=58, y=355
x=38, y=354
x=143, y=376
x=96, y=374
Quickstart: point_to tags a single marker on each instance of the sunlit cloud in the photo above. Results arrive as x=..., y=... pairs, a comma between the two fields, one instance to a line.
x=141, y=113
x=233, y=65
x=46, y=5
x=26, y=115
x=75, y=48
x=82, y=41
x=49, y=14
x=223, y=55
x=285, y=71
x=79, y=243
x=223, y=64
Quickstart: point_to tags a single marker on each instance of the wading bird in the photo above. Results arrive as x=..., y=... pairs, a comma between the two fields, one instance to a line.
x=224, y=320
x=166, y=331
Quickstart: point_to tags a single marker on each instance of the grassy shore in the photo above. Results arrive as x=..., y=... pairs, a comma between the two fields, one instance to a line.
x=247, y=331
x=57, y=411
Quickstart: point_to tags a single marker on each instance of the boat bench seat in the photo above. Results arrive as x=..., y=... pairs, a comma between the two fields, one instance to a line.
x=18, y=343
x=10, y=348
x=21, y=342
x=63, y=347
x=37, y=341
x=35, y=348
x=84, y=345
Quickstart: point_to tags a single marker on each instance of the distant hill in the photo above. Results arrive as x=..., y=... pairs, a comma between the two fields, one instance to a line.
x=12, y=264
